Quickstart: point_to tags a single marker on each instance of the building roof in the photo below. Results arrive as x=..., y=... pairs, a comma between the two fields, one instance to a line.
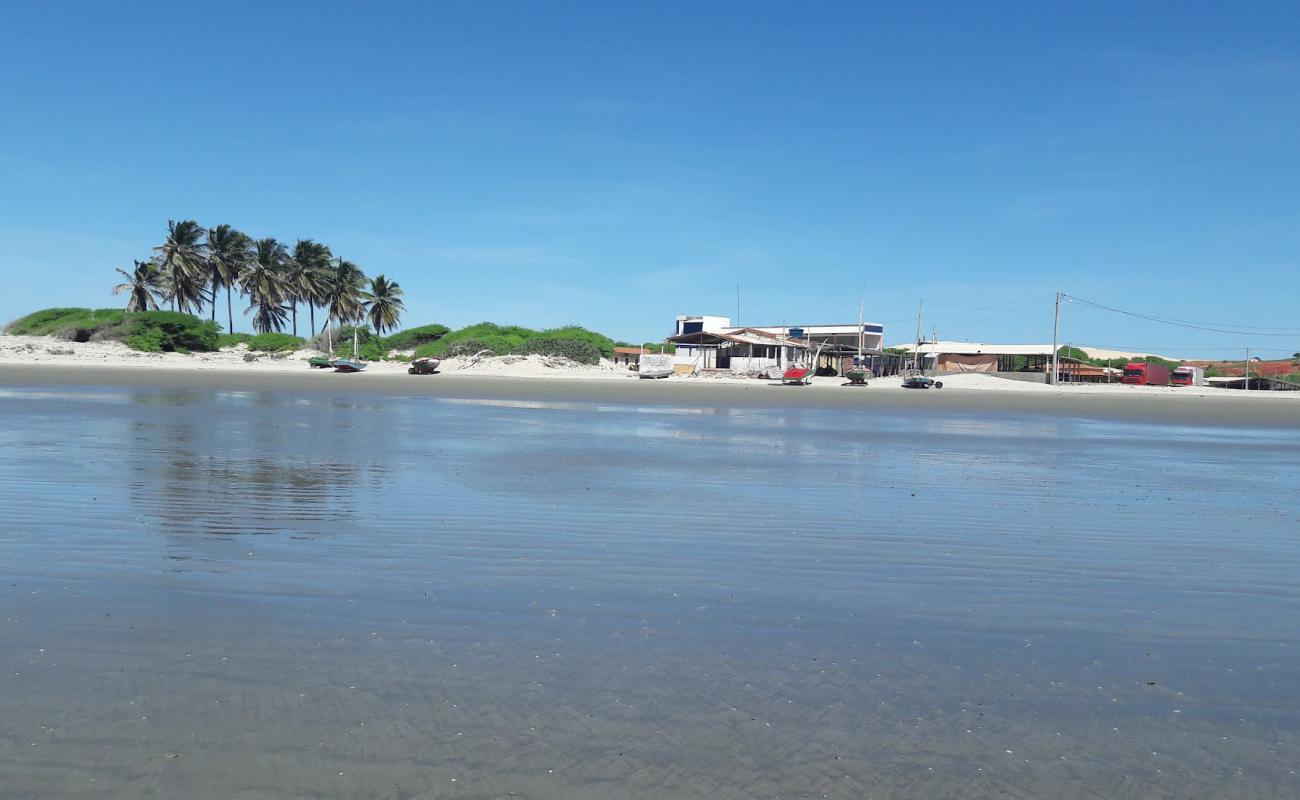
x=635, y=351
x=839, y=327
x=739, y=336
x=979, y=349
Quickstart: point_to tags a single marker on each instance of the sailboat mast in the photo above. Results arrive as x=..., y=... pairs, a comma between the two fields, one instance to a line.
x=916, y=362
x=861, y=299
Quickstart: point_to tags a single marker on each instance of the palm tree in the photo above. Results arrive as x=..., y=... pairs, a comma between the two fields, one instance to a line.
x=143, y=283
x=183, y=265
x=383, y=303
x=263, y=280
x=229, y=253
x=308, y=277
x=343, y=299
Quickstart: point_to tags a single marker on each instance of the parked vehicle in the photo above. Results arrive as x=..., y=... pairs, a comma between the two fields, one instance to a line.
x=1188, y=376
x=1140, y=373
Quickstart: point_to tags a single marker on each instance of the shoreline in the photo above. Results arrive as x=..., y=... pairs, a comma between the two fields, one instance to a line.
x=964, y=393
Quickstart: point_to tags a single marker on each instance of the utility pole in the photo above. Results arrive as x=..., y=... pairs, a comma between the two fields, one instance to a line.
x=1246, y=367
x=1056, y=326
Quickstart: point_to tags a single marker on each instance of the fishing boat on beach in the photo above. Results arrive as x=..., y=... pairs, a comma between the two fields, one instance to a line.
x=859, y=373
x=802, y=376
x=347, y=365
x=797, y=376
x=423, y=366
x=342, y=364
x=652, y=365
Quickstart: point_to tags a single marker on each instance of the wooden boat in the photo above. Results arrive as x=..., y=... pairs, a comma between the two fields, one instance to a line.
x=802, y=376
x=319, y=362
x=347, y=365
x=919, y=381
x=353, y=364
x=652, y=365
x=858, y=374
x=797, y=376
x=423, y=366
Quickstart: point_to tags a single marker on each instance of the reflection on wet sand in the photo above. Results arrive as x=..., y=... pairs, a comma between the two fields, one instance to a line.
x=565, y=601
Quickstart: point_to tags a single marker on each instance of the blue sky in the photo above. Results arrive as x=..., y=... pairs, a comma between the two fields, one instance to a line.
x=616, y=164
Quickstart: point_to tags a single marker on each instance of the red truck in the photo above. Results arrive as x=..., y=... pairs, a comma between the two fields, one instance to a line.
x=1142, y=374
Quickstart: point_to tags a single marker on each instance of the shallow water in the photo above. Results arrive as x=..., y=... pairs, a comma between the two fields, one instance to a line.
x=265, y=594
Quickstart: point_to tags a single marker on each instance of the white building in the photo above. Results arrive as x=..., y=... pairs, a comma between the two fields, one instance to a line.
x=711, y=342
x=873, y=333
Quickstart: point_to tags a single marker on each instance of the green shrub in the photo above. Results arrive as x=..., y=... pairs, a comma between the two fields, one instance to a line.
x=345, y=334
x=489, y=336
x=274, y=342
x=176, y=332
x=583, y=352
x=146, y=340
x=370, y=350
x=462, y=347
x=1081, y=355
x=414, y=337
x=232, y=339
x=76, y=324
x=603, y=344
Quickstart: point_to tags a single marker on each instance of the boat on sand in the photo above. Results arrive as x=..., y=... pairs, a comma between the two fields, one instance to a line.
x=347, y=365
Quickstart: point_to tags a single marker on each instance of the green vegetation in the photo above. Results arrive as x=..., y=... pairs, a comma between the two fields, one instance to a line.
x=1081, y=355
x=232, y=339
x=603, y=344
x=75, y=324
x=653, y=347
x=412, y=338
x=503, y=339
x=275, y=342
x=485, y=336
x=577, y=350
x=169, y=331
x=164, y=331
x=147, y=331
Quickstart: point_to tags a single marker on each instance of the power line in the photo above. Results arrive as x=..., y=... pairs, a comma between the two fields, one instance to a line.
x=971, y=310
x=1190, y=325
x=1017, y=309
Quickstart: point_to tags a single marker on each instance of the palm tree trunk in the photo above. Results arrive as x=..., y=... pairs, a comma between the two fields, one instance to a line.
x=214, y=302
x=312, y=308
x=230, y=314
x=295, y=317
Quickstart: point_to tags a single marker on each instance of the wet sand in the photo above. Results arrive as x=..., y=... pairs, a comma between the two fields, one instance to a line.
x=275, y=590
x=1259, y=409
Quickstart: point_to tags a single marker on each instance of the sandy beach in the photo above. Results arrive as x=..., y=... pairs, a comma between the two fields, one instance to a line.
x=28, y=360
